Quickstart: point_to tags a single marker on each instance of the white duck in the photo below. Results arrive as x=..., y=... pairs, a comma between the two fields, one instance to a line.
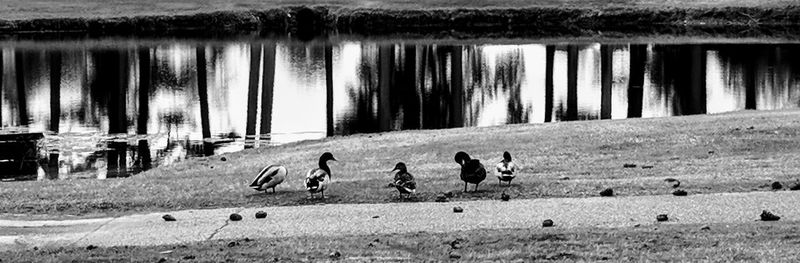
x=505, y=169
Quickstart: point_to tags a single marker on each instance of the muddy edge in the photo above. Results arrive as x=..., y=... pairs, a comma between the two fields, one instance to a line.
x=319, y=21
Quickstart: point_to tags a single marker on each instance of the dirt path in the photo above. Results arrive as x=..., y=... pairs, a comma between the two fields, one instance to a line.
x=357, y=219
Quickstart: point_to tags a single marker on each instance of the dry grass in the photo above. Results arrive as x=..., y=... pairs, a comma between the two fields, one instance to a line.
x=757, y=241
x=590, y=153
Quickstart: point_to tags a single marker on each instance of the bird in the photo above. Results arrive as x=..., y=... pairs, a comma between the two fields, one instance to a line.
x=505, y=169
x=472, y=171
x=404, y=181
x=673, y=180
x=315, y=178
x=269, y=177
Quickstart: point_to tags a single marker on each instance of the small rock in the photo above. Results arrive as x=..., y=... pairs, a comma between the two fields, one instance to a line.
x=233, y=244
x=629, y=165
x=751, y=127
x=680, y=193
x=767, y=216
x=90, y=247
x=235, y=217
x=647, y=167
x=607, y=192
x=168, y=218
x=637, y=225
x=505, y=197
x=711, y=152
x=375, y=216
x=162, y=260
x=188, y=257
x=458, y=209
x=795, y=187
x=564, y=178
x=335, y=255
x=662, y=218
x=777, y=186
x=547, y=223
x=261, y=214
x=223, y=158
x=705, y=228
x=454, y=255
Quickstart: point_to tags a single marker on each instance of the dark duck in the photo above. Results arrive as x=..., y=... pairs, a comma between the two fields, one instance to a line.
x=472, y=171
x=404, y=181
x=315, y=178
x=505, y=169
x=269, y=177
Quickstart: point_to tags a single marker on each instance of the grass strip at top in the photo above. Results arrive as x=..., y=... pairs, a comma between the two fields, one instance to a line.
x=735, y=152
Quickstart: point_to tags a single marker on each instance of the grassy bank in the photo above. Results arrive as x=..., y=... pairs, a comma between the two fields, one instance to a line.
x=451, y=18
x=757, y=241
x=735, y=152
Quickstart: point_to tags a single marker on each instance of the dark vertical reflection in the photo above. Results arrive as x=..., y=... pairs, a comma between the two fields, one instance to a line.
x=606, y=80
x=22, y=100
x=268, y=83
x=2, y=85
x=572, y=83
x=697, y=81
x=457, y=87
x=328, y=89
x=252, y=95
x=145, y=83
x=408, y=91
x=550, y=52
x=749, y=75
x=385, y=70
x=202, y=92
x=111, y=79
x=55, y=89
x=638, y=60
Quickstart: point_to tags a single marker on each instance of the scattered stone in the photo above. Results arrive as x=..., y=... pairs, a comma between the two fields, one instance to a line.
x=162, y=260
x=233, y=244
x=795, y=187
x=637, y=225
x=90, y=247
x=647, y=167
x=505, y=197
x=564, y=178
x=168, y=218
x=454, y=255
x=449, y=194
x=629, y=165
x=711, y=152
x=189, y=257
x=223, y=158
x=335, y=255
x=376, y=216
x=456, y=244
x=441, y=198
x=458, y=209
x=261, y=214
x=751, y=127
x=767, y=216
x=777, y=186
x=662, y=218
x=706, y=228
x=680, y=193
x=607, y=192
x=235, y=217
x=547, y=223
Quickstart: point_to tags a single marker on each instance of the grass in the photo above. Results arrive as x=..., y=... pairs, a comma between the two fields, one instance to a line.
x=757, y=241
x=735, y=152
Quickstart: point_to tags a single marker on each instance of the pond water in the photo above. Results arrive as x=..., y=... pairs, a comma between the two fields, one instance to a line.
x=110, y=110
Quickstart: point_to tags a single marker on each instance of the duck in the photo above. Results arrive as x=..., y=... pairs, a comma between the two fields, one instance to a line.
x=269, y=177
x=505, y=169
x=404, y=181
x=315, y=178
x=472, y=171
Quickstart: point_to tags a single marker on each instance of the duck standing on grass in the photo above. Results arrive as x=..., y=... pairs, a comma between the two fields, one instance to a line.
x=505, y=169
x=403, y=180
x=315, y=178
x=472, y=171
x=269, y=177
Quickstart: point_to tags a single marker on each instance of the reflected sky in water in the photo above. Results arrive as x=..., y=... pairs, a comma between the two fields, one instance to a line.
x=122, y=110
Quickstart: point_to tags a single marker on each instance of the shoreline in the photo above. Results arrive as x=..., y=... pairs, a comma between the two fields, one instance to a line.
x=315, y=22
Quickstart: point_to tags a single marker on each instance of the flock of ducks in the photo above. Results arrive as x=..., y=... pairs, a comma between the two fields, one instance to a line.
x=472, y=172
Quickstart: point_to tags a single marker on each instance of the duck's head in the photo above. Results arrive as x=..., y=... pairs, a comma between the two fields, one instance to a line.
x=462, y=157
x=400, y=167
x=506, y=156
x=327, y=156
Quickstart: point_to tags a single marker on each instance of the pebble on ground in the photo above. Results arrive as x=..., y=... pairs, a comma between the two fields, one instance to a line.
x=458, y=209
x=777, y=186
x=547, y=223
x=168, y=218
x=680, y=193
x=662, y=218
x=768, y=216
x=235, y=217
x=505, y=197
x=607, y=192
x=261, y=214
x=795, y=187
x=629, y=165
x=335, y=255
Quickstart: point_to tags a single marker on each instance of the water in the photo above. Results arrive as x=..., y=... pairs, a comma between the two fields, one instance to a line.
x=125, y=107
